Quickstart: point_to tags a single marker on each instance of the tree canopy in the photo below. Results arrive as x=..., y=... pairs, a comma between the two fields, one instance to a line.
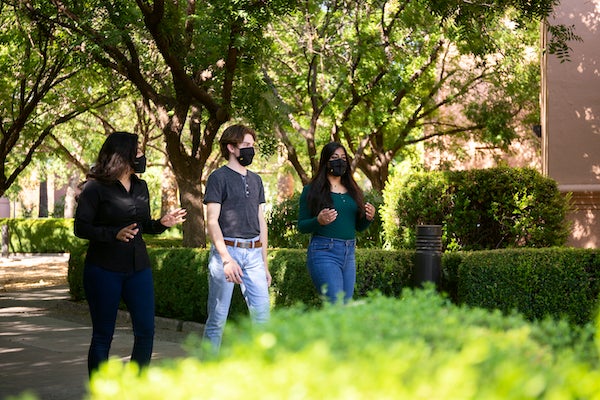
x=377, y=75
x=43, y=84
x=380, y=76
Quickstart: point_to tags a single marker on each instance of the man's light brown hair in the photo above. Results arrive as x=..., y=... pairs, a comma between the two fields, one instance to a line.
x=234, y=135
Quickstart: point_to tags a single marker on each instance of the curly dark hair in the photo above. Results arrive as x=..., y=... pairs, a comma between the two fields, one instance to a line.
x=116, y=156
x=319, y=194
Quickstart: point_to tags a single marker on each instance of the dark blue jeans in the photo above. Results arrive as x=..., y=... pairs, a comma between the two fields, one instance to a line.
x=104, y=290
x=332, y=266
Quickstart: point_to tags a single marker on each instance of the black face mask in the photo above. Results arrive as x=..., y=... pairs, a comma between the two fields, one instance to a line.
x=337, y=167
x=246, y=156
x=139, y=164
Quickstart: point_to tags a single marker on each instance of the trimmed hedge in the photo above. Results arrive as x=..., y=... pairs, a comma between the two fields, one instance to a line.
x=539, y=283
x=181, y=279
x=42, y=235
x=557, y=282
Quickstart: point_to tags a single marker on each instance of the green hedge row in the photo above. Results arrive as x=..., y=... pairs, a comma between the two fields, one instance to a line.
x=558, y=282
x=43, y=235
x=555, y=282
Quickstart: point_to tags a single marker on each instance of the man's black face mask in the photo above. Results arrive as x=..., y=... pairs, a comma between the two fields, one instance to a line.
x=246, y=156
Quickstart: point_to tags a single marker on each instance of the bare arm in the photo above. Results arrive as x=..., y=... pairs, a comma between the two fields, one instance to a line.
x=264, y=239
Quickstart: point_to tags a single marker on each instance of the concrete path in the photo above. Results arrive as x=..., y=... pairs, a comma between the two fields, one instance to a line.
x=44, y=338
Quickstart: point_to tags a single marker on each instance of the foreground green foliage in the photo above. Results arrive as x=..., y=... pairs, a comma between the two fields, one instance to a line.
x=418, y=347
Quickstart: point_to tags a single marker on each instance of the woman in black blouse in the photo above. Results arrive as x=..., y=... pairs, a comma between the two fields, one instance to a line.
x=112, y=213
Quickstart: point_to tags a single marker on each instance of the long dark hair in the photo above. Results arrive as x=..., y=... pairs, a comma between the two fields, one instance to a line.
x=116, y=156
x=319, y=194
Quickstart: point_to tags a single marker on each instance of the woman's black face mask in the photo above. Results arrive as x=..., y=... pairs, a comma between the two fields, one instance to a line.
x=139, y=164
x=337, y=167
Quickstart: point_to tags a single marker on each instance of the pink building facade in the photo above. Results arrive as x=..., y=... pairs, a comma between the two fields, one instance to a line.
x=570, y=102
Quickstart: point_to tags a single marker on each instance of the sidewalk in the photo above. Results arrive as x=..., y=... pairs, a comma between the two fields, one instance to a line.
x=44, y=336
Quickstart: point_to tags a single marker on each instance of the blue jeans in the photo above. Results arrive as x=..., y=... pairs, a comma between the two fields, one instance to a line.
x=104, y=290
x=254, y=289
x=332, y=266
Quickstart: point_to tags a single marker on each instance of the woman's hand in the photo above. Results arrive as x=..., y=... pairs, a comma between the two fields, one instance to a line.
x=174, y=217
x=327, y=216
x=370, y=211
x=127, y=233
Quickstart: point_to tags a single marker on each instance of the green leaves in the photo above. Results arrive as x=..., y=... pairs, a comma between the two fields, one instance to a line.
x=479, y=209
x=415, y=347
x=380, y=76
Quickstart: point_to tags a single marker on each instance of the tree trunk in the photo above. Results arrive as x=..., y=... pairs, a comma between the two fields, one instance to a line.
x=191, y=197
x=43, y=206
x=72, y=191
x=168, y=192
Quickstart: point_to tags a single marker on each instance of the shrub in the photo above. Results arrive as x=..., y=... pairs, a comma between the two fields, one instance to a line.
x=41, y=235
x=558, y=282
x=180, y=282
x=282, y=223
x=478, y=209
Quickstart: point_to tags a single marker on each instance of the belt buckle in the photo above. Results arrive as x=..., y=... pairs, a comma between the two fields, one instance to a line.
x=245, y=245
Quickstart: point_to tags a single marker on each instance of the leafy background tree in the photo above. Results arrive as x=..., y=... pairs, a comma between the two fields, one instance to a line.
x=43, y=84
x=376, y=75
x=382, y=76
x=186, y=60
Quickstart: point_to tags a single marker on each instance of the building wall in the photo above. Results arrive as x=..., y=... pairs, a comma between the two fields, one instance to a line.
x=571, y=118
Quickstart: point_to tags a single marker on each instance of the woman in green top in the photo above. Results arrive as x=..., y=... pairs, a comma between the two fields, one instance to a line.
x=332, y=208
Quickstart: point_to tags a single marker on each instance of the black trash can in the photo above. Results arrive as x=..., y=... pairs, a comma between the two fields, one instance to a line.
x=428, y=255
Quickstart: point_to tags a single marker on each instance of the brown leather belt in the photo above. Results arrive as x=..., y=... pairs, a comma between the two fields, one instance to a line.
x=244, y=245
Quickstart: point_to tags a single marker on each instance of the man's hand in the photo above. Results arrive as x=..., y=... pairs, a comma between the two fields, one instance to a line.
x=233, y=272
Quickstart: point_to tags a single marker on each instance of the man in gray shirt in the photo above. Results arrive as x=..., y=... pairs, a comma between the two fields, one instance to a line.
x=236, y=224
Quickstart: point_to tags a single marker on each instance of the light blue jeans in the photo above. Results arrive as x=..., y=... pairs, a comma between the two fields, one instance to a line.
x=254, y=289
x=332, y=266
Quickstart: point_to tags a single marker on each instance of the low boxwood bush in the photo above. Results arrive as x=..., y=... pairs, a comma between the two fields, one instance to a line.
x=478, y=209
x=557, y=282
x=416, y=347
x=181, y=279
x=180, y=282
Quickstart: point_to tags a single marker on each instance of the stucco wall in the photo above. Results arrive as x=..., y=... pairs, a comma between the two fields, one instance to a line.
x=571, y=118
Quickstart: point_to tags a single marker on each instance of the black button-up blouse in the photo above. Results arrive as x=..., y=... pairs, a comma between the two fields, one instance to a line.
x=102, y=211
